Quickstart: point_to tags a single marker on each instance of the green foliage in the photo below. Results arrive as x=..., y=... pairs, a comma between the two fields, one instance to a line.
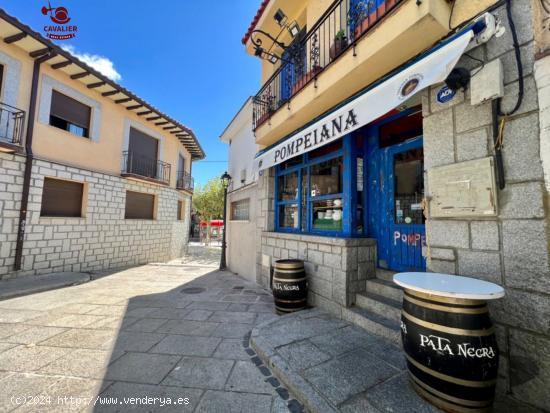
x=208, y=200
x=340, y=35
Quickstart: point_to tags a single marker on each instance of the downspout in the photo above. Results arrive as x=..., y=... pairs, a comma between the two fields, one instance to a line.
x=29, y=160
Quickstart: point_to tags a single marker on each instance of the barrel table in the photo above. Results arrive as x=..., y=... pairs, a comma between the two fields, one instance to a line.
x=449, y=340
x=289, y=286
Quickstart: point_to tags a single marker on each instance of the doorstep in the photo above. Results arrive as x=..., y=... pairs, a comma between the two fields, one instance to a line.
x=332, y=365
x=17, y=287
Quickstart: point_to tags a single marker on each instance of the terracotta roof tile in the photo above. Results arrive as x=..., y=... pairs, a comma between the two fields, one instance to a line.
x=255, y=21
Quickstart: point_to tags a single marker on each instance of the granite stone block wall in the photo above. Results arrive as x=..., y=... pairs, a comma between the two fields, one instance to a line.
x=337, y=268
x=511, y=249
x=101, y=239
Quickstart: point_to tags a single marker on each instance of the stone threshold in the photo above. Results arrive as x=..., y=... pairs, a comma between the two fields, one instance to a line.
x=336, y=241
x=332, y=365
x=18, y=287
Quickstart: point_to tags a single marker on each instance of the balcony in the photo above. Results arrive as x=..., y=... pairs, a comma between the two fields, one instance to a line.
x=146, y=169
x=12, y=122
x=185, y=181
x=352, y=45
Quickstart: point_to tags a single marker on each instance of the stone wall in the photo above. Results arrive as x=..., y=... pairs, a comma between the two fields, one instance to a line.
x=513, y=248
x=337, y=268
x=100, y=240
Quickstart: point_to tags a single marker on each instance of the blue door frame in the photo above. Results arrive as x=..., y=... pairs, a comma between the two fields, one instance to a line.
x=399, y=244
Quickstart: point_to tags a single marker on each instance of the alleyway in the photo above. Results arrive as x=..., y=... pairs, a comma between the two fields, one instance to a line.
x=171, y=331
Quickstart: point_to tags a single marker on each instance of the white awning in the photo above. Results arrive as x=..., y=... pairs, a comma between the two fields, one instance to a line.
x=370, y=105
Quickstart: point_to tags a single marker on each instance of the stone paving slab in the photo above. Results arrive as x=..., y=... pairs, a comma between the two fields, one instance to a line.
x=30, y=285
x=137, y=333
x=334, y=366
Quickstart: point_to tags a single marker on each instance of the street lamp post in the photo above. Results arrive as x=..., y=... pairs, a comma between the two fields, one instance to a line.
x=226, y=180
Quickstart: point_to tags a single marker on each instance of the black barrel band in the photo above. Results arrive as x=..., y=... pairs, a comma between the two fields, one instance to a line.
x=450, y=379
x=445, y=300
x=447, y=309
x=449, y=330
x=289, y=310
x=290, y=301
x=289, y=280
x=451, y=399
x=452, y=407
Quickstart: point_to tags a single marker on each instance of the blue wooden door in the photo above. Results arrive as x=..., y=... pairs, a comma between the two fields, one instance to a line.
x=402, y=231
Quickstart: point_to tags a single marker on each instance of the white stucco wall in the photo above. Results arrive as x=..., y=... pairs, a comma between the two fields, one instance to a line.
x=242, y=147
x=241, y=235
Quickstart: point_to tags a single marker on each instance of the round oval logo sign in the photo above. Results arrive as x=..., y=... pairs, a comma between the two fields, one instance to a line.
x=60, y=30
x=445, y=94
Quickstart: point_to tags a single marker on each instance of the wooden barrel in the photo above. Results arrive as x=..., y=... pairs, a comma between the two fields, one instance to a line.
x=289, y=286
x=451, y=350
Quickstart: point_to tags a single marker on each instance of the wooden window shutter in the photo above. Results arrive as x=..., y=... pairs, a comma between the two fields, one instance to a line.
x=61, y=198
x=71, y=110
x=139, y=205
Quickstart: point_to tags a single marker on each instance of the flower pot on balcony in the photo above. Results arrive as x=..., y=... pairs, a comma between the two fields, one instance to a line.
x=337, y=47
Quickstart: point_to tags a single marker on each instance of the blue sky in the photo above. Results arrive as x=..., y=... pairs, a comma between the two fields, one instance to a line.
x=184, y=57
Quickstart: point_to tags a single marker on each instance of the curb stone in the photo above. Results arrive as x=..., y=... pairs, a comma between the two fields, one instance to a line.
x=306, y=394
x=293, y=405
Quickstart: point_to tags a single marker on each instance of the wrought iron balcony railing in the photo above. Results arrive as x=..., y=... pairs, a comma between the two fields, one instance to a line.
x=337, y=30
x=146, y=168
x=12, y=121
x=185, y=181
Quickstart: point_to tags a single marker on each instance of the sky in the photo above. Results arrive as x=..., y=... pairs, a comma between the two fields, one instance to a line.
x=184, y=57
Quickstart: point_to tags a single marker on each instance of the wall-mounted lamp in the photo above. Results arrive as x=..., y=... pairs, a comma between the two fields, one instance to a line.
x=280, y=17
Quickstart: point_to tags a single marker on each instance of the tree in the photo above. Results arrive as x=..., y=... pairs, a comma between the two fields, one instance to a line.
x=208, y=203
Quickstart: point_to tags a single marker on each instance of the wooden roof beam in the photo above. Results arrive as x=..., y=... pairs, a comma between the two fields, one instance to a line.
x=39, y=52
x=61, y=64
x=123, y=100
x=80, y=75
x=96, y=84
x=15, y=37
x=110, y=93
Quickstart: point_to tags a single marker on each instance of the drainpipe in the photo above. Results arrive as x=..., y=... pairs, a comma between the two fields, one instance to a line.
x=29, y=159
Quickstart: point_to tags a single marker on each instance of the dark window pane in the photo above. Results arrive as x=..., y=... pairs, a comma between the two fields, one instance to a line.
x=409, y=187
x=139, y=206
x=327, y=177
x=288, y=186
x=297, y=160
x=288, y=216
x=61, y=198
x=69, y=127
x=326, y=149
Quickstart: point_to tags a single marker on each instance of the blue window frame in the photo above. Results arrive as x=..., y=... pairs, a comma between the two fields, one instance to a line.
x=318, y=192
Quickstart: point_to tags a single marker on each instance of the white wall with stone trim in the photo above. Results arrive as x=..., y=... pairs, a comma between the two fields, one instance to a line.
x=100, y=240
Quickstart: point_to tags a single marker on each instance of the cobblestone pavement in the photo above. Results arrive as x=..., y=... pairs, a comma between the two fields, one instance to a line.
x=170, y=331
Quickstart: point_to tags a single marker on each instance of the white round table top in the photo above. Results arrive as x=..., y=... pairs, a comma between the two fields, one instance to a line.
x=446, y=285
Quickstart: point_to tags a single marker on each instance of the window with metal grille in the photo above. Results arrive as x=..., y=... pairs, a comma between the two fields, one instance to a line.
x=139, y=205
x=69, y=114
x=61, y=198
x=240, y=210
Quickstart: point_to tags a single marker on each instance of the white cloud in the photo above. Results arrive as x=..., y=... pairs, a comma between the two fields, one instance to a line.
x=102, y=64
